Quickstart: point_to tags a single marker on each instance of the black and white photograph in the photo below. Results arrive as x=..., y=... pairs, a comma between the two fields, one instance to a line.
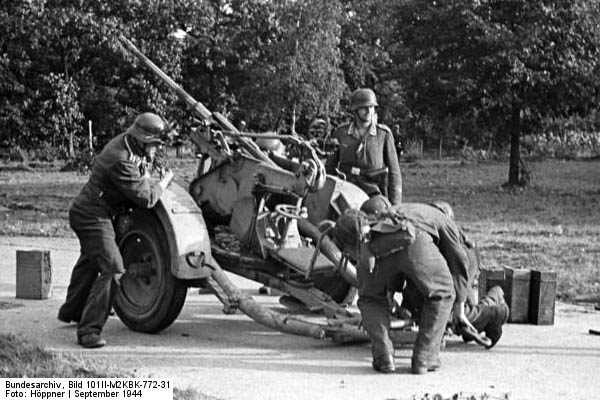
x=300, y=199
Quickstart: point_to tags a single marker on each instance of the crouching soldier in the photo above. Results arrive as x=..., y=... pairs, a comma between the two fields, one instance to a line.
x=491, y=312
x=386, y=253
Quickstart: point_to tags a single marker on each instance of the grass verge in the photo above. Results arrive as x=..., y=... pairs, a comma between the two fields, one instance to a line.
x=20, y=358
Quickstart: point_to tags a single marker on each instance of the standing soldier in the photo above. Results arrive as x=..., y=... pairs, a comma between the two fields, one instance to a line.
x=118, y=178
x=384, y=258
x=367, y=153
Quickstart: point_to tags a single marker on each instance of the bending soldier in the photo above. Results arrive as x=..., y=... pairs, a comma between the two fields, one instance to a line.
x=366, y=154
x=118, y=177
x=384, y=257
x=491, y=312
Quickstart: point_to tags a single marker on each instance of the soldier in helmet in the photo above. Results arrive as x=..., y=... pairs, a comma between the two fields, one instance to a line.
x=118, y=178
x=384, y=258
x=367, y=154
x=437, y=218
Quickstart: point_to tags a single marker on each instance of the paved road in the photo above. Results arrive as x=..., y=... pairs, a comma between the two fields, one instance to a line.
x=232, y=357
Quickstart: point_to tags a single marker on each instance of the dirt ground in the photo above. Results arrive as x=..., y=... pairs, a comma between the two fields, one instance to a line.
x=233, y=357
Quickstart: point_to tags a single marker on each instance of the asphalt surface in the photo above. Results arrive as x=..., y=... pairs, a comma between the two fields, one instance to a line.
x=233, y=357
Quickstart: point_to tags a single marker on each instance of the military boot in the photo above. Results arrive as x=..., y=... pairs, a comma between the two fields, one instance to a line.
x=426, y=351
x=489, y=315
x=384, y=364
x=493, y=330
x=496, y=294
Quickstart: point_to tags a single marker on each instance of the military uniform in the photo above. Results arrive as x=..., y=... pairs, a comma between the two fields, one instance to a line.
x=369, y=162
x=490, y=312
x=380, y=271
x=424, y=265
x=118, y=178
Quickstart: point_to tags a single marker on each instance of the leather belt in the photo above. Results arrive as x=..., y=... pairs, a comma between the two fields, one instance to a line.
x=369, y=173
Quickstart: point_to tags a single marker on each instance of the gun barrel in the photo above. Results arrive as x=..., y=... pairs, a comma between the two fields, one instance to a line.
x=197, y=108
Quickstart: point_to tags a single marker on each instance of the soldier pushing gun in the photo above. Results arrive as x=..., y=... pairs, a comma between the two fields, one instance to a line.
x=119, y=177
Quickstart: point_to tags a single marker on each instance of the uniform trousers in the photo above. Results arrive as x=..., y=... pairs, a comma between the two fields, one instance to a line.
x=96, y=274
x=424, y=265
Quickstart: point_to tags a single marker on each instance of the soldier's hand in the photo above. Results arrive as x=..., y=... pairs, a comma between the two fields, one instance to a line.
x=460, y=317
x=166, y=179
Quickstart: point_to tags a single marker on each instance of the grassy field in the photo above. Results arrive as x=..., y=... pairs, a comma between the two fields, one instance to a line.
x=552, y=225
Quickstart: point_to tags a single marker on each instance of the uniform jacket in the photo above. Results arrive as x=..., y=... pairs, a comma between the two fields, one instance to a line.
x=448, y=238
x=375, y=151
x=118, y=178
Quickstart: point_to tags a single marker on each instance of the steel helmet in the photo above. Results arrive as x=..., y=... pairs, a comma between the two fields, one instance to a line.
x=376, y=205
x=362, y=98
x=270, y=143
x=149, y=128
x=444, y=207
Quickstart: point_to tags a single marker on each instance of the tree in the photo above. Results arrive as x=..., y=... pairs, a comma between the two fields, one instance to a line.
x=499, y=66
x=294, y=64
x=367, y=41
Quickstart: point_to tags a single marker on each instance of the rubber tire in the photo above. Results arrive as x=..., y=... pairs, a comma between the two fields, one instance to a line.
x=148, y=304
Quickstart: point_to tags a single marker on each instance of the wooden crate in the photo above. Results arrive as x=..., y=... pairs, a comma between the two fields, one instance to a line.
x=488, y=278
x=34, y=274
x=542, y=297
x=517, y=292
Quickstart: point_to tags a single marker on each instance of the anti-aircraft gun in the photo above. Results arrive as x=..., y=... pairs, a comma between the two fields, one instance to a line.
x=271, y=205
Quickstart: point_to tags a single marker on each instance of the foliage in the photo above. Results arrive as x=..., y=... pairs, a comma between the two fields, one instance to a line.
x=458, y=73
x=58, y=115
x=368, y=40
x=82, y=162
x=295, y=72
x=21, y=358
x=413, y=150
x=498, y=68
x=566, y=145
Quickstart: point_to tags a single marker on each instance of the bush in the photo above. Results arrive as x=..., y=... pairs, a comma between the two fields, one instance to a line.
x=413, y=150
x=82, y=162
x=567, y=145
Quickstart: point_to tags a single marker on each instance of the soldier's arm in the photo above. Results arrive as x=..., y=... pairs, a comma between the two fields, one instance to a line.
x=452, y=249
x=138, y=189
x=395, y=176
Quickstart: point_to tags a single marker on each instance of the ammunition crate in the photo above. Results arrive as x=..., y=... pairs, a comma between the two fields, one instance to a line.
x=34, y=275
x=542, y=298
x=488, y=278
x=516, y=293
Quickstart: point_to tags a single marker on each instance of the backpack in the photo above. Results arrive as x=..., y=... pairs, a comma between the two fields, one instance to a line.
x=391, y=234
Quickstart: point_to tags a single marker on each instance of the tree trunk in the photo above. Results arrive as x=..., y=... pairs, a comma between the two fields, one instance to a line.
x=71, y=147
x=515, y=147
x=293, y=127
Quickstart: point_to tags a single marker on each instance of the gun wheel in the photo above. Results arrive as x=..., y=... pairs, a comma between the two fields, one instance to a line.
x=149, y=298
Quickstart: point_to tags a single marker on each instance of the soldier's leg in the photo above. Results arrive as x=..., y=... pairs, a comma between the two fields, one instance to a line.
x=84, y=272
x=489, y=314
x=375, y=311
x=103, y=251
x=473, y=270
x=82, y=278
x=423, y=264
